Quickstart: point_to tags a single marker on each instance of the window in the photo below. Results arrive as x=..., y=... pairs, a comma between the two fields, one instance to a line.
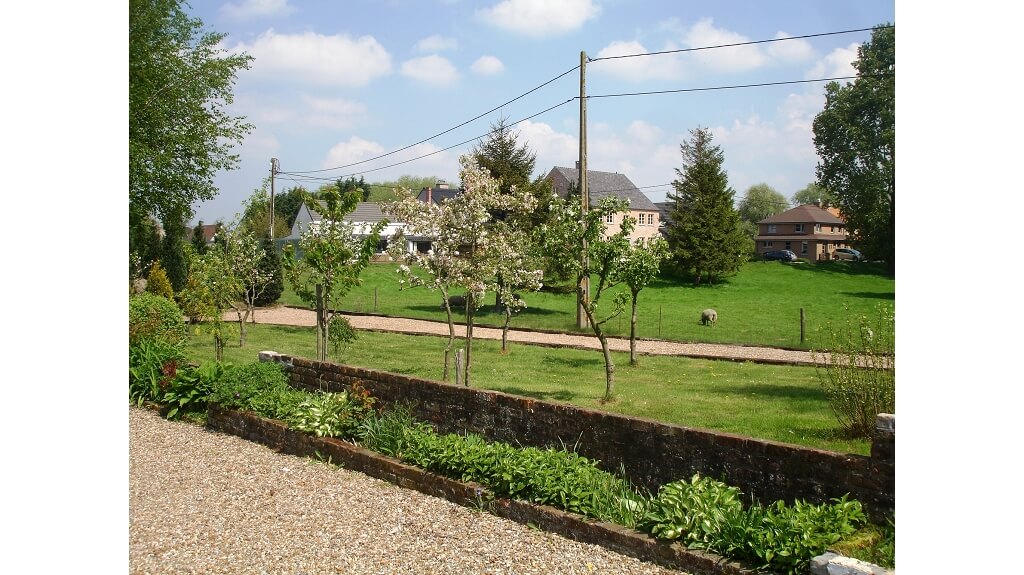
x=789, y=246
x=767, y=244
x=610, y=218
x=817, y=227
x=771, y=228
x=798, y=228
x=803, y=248
x=650, y=219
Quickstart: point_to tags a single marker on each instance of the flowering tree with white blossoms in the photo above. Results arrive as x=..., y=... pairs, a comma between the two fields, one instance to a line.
x=244, y=254
x=515, y=272
x=637, y=268
x=563, y=238
x=333, y=256
x=467, y=245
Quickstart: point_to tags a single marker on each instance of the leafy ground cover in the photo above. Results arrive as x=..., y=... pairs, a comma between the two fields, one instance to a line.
x=780, y=403
x=759, y=306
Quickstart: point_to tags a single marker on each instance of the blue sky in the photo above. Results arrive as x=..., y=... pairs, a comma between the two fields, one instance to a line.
x=334, y=83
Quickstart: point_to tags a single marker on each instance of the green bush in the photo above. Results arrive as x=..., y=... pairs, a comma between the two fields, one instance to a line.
x=340, y=333
x=327, y=415
x=261, y=388
x=270, y=262
x=858, y=372
x=158, y=283
x=152, y=316
x=190, y=389
x=152, y=365
x=694, y=513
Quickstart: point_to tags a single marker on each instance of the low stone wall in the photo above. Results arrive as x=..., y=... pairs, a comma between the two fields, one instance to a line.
x=650, y=452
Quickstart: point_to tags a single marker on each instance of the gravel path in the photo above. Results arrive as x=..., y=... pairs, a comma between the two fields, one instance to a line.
x=303, y=317
x=207, y=502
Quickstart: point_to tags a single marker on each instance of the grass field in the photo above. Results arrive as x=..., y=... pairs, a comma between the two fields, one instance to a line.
x=780, y=403
x=758, y=306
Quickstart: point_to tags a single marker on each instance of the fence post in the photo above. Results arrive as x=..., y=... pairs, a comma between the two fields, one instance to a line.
x=801, y=326
x=659, y=319
x=374, y=299
x=458, y=366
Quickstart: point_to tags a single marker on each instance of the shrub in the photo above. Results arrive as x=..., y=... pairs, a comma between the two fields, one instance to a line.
x=858, y=372
x=340, y=334
x=694, y=512
x=190, y=389
x=270, y=263
x=327, y=415
x=158, y=283
x=261, y=388
x=152, y=365
x=151, y=316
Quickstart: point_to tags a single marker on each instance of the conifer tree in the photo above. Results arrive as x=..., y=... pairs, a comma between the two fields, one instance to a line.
x=705, y=240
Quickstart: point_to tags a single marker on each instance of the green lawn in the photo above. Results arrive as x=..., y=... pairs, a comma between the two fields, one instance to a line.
x=780, y=403
x=758, y=306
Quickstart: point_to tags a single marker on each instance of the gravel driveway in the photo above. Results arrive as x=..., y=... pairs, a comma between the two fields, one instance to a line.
x=207, y=502
x=283, y=315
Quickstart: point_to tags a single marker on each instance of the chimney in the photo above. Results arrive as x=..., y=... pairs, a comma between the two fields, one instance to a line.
x=429, y=191
x=442, y=185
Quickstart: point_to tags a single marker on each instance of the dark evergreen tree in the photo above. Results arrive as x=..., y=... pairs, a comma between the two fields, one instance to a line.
x=271, y=262
x=143, y=241
x=705, y=239
x=198, y=241
x=172, y=254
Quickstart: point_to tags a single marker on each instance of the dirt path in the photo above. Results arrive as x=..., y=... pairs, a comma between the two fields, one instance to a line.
x=283, y=315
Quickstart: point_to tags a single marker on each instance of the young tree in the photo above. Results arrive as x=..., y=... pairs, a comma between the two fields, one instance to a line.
x=198, y=241
x=244, y=255
x=563, y=237
x=761, y=201
x=813, y=194
x=637, y=268
x=270, y=263
x=332, y=259
x=704, y=235
x=256, y=215
x=180, y=135
x=518, y=269
x=212, y=288
x=855, y=136
x=172, y=251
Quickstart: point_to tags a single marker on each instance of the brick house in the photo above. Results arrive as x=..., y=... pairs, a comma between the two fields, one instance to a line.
x=808, y=231
x=604, y=184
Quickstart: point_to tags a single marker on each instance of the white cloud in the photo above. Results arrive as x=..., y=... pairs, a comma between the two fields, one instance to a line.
x=665, y=66
x=434, y=70
x=643, y=132
x=487, y=66
x=336, y=113
x=305, y=110
x=732, y=59
x=540, y=17
x=354, y=150
x=553, y=148
x=790, y=50
x=837, y=64
x=337, y=60
x=436, y=43
x=249, y=9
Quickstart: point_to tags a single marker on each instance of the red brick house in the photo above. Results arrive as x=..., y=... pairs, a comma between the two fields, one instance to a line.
x=808, y=231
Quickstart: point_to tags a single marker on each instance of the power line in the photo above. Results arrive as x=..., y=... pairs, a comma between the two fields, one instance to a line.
x=301, y=174
x=574, y=68
x=736, y=86
x=737, y=44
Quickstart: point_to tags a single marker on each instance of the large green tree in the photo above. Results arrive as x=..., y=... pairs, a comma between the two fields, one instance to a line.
x=855, y=136
x=760, y=202
x=179, y=132
x=706, y=242
x=813, y=194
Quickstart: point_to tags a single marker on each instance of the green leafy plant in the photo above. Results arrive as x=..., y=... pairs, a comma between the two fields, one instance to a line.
x=261, y=388
x=326, y=415
x=858, y=373
x=340, y=334
x=190, y=389
x=152, y=365
x=155, y=317
x=694, y=512
x=158, y=283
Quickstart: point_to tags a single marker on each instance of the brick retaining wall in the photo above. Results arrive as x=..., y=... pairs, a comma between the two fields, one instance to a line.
x=652, y=453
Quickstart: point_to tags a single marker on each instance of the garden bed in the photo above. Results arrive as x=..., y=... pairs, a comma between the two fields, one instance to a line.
x=278, y=436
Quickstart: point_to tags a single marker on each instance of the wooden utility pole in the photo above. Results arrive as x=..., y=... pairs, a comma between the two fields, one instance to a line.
x=581, y=316
x=274, y=166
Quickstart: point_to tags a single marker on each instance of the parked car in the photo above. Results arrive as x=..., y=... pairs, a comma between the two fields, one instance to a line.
x=847, y=254
x=780, y=255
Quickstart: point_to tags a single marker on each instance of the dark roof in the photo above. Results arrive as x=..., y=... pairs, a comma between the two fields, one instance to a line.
x=366, y=212
x=209, y=230
x=601, y=185
x=802, y=237
x=438, y=195
x=807, y=213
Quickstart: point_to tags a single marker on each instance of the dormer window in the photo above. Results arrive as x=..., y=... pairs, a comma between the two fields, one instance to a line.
x=772, y=228
x=798, y=228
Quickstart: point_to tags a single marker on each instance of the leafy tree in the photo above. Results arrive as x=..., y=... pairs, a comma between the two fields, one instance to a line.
x=350, y=184
x=256, y=215
x=333, y=257
x=761, y=201
x=244, y=254
x=212, y=288
x=501, y=155
x=813, y=194
x=180, y=82
x=144, y=242
x=705, y=240
x=172, y=251
x=563, y=237
x=637, y=268
x=287, y=204
x=855, y=136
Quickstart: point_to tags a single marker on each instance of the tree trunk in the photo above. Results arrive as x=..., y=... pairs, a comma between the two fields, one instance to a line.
x=451, y=335
x=470, y=305
x=504, y=330
x=632, y=334
x=609, y=366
